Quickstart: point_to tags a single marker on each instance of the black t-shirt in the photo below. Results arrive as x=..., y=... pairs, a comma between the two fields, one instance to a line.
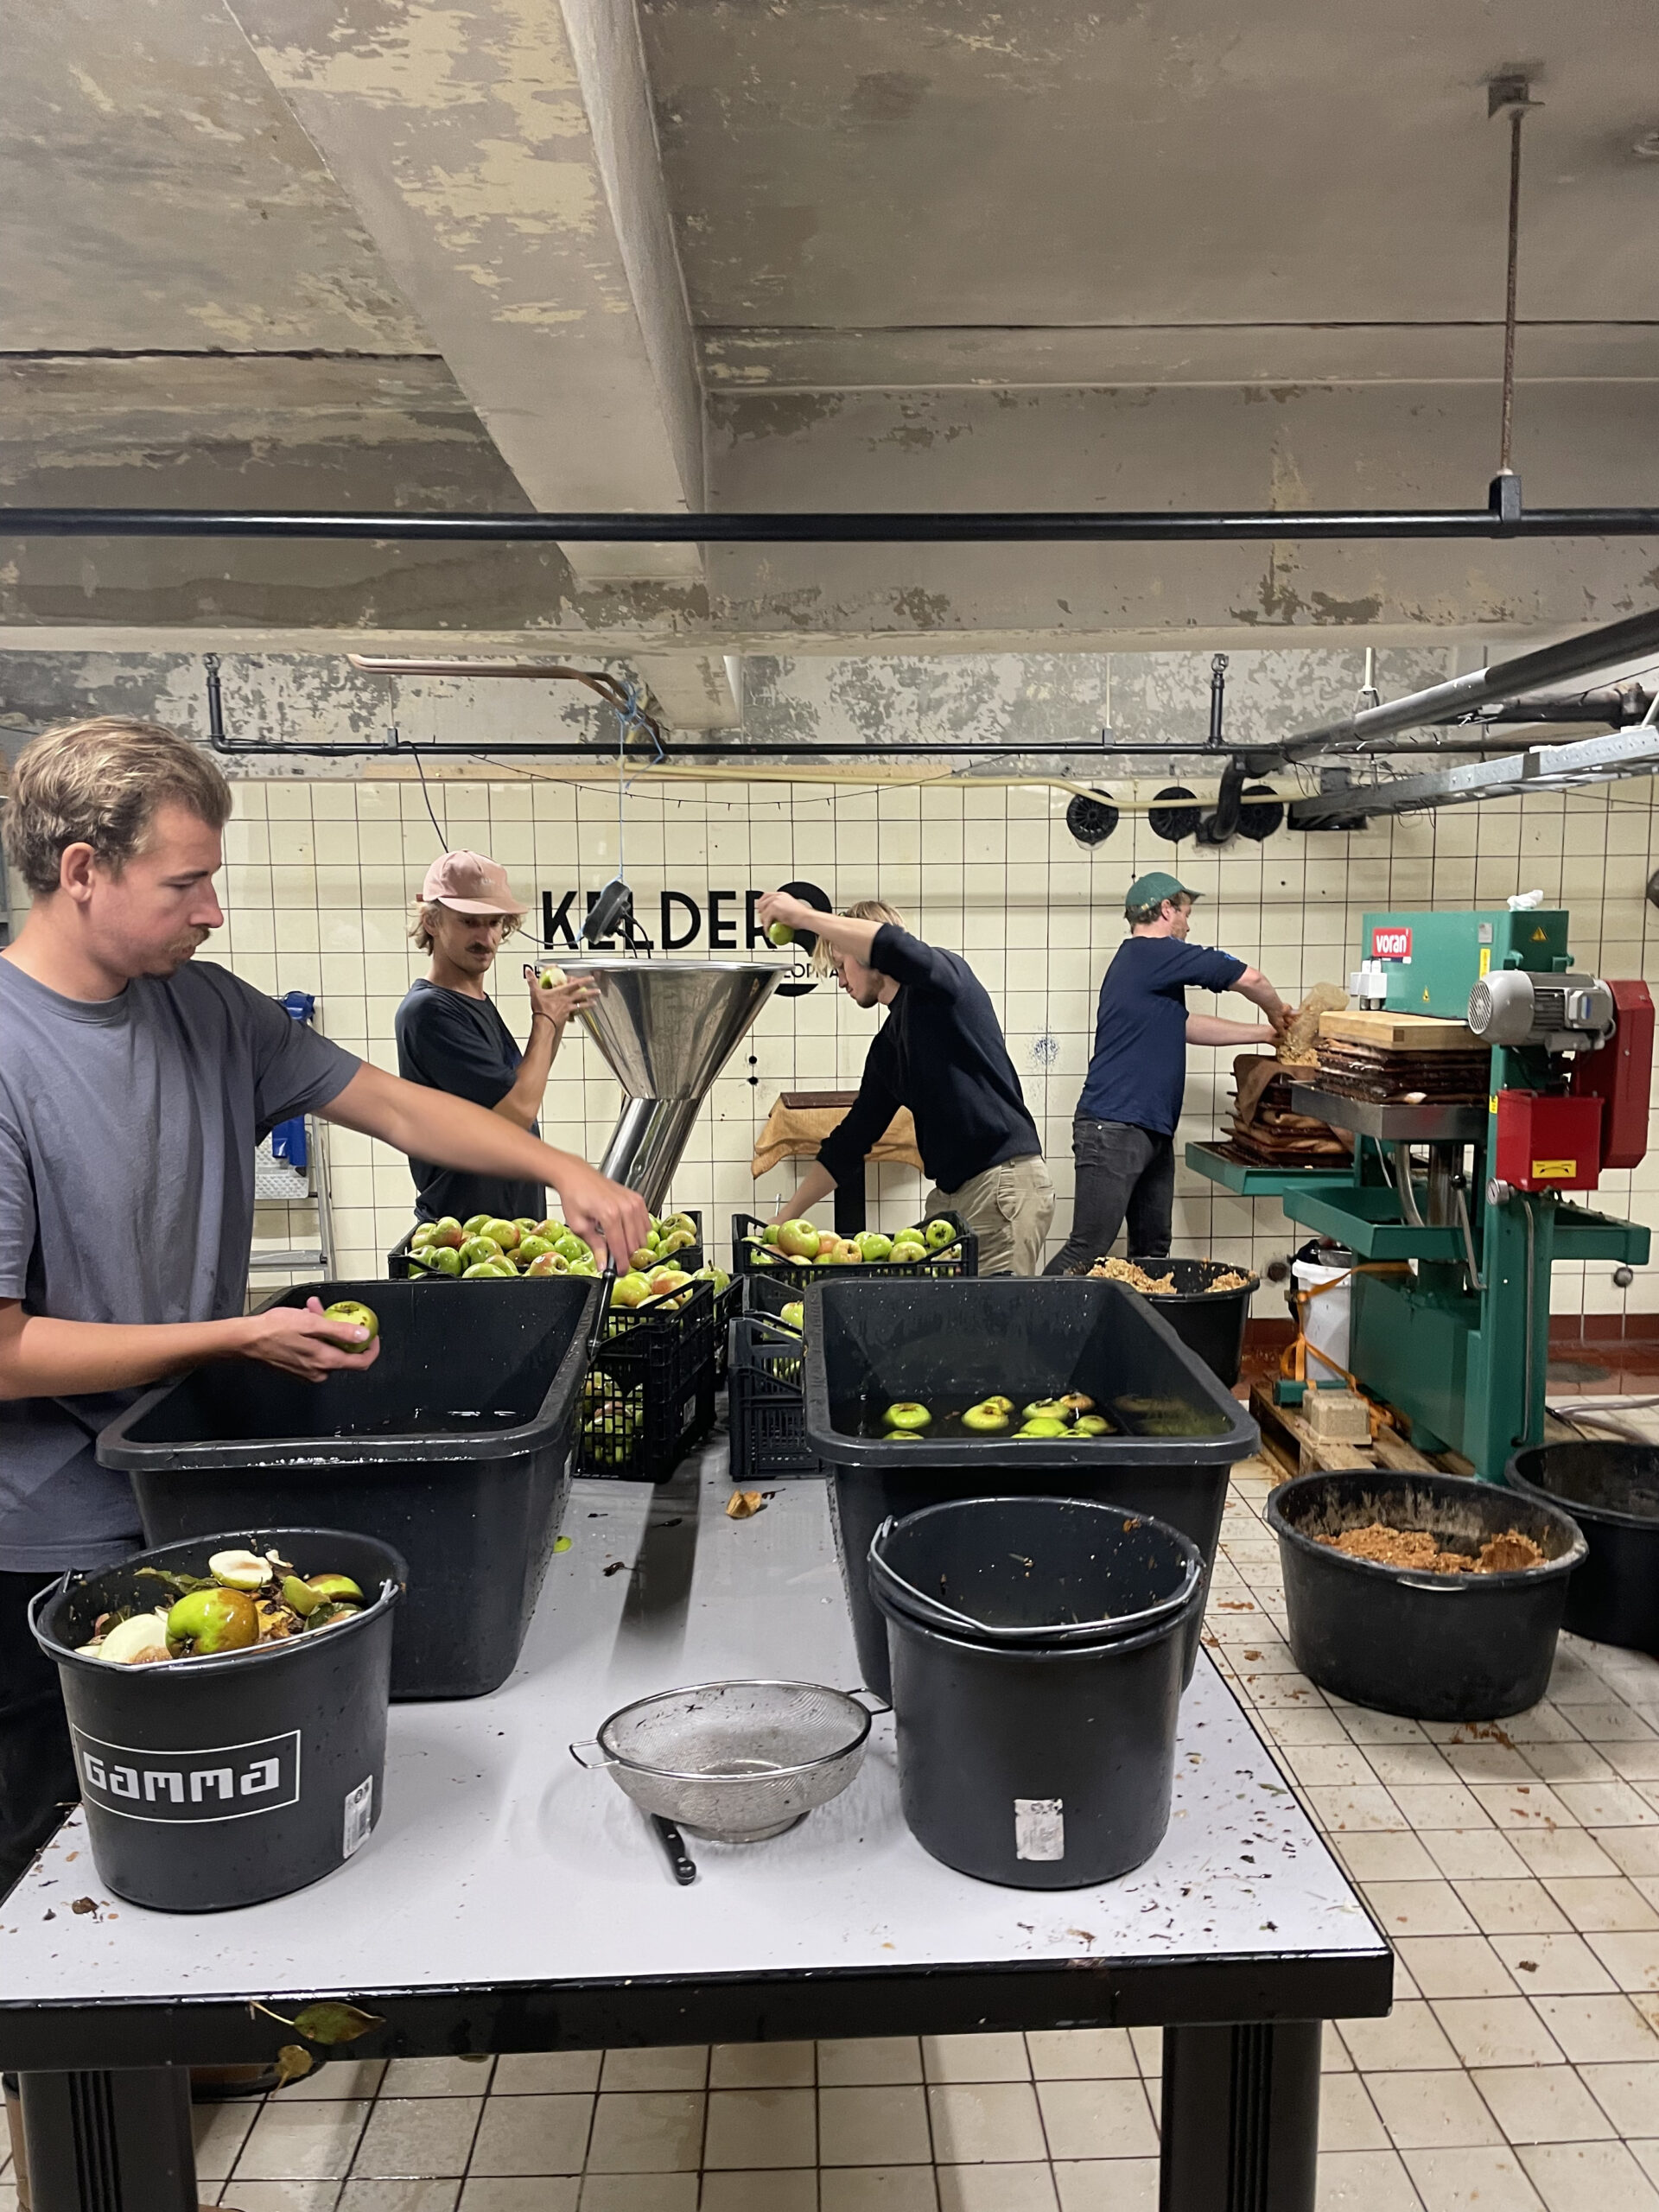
x=1138, y=1072
x=940, y=1051
x=461, y=1045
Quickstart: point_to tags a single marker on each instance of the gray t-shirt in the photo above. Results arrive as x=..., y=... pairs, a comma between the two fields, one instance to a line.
x=127, y=1133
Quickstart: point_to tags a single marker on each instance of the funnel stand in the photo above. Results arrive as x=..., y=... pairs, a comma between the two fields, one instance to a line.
x=647, y=1144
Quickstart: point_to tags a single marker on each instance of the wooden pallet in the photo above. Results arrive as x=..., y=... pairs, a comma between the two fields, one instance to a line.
x=1290, y=1447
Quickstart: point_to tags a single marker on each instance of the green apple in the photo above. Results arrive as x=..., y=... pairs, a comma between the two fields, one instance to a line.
x=938, y=1234
x=523, y=1222
x=718, y=1277
x=906, y=1254
x=1003, y=1405
x=423, y=1232
x=336, y=1587
x=798, y=1240
x=479, y=1269
x=644, y=1259
x=780, y=934
x=631, y=1289
x=444, y=1259
x=764, y=1260
x=1091, y=1425
x=532, y=1248
x=986, y=1420
x=549, y=1263
x=552, y=1229
x=354, y=1311
x=572, y=1246
x=506, y=1234
x=1048, y=1409
x=769, y=1234
x=907, y=1414
x=793, y=1315
x=207, y=1621
x=478, y=1248
x=1038, y=1426
x=476, y=1224
x=872, y=1245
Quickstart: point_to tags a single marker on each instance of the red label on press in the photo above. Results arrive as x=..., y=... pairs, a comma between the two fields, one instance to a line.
x=1390, y=944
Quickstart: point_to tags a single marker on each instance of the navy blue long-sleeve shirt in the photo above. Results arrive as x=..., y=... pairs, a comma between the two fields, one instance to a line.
x=941, y=1052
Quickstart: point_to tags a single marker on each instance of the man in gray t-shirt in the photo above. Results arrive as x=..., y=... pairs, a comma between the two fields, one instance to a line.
x=133, y=1088
x=127, y=1131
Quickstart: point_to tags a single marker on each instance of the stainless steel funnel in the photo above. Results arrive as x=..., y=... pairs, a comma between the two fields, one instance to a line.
x=667, y=1028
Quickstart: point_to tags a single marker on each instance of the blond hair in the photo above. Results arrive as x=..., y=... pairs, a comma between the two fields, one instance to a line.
x=862, y=910
x=100, y=783
x=421, y=928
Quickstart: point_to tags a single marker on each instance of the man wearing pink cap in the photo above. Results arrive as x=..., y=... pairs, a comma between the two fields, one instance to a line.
x=451, y=1036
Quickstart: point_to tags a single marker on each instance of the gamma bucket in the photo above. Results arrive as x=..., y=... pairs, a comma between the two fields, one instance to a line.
x=210, y=1783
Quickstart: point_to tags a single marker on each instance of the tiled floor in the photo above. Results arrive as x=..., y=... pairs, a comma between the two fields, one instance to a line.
x=1515, y=1867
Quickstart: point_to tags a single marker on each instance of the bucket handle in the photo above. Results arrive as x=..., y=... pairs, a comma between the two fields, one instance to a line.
x=591, y=1766
x=878, y=1705
x=949, y=1612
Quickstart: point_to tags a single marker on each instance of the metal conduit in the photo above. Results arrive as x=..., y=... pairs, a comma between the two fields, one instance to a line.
x=1148, y=528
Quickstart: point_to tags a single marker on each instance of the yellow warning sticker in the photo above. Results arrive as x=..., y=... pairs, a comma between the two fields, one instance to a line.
x=1541, y=936
x=1491, y=1103
x=1485, y=959
x=1425, y=994
x=1554, y=1171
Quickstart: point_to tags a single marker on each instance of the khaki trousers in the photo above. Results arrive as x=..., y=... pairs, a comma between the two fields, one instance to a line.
x=1009, y=1209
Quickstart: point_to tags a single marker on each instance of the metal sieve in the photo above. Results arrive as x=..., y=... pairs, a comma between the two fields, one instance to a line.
x=736, y=1762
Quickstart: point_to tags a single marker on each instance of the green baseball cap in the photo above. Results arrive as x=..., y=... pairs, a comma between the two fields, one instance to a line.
x=1152, y=889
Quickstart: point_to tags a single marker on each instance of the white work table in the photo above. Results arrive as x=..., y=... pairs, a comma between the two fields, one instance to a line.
x=510, y=1900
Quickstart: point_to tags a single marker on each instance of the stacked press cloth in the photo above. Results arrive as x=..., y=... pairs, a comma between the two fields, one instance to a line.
x=1387, y=1058
x=1266, y=1133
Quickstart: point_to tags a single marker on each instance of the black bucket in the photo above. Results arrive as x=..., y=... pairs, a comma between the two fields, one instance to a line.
x=963, y=1569
x=1613, y=1492
x=870, y=1343
x=1209, y=1322
x=213, y=1783
x=454, y=1448
x=1042, y=1768
x=1433, y=1647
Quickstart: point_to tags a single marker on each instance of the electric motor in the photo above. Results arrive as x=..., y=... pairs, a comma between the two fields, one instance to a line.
x=1563, y=1013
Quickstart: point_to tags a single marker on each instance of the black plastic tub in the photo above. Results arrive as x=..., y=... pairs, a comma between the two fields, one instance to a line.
x=869, y=1344
x=1042, y=1767
x=454, y=1447
x=211, y=1784
x=1433, y=1647
x=1613, y=1492
x=1209, y=1322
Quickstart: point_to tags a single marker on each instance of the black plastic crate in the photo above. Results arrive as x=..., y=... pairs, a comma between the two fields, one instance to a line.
x=653, y=1375
x=960, y=1257
x=765, y=1404
x=401, y=1265
x=454, y=1447
x=728, y=1304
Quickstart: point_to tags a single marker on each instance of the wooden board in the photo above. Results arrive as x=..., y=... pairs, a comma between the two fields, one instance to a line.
x=1289, y=1445
x=1399, y=1032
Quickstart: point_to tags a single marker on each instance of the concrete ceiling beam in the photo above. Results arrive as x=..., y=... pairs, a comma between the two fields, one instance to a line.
x=502, y=157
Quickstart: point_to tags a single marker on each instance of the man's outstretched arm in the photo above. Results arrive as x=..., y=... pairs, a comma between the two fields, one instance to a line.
x=450, y=1132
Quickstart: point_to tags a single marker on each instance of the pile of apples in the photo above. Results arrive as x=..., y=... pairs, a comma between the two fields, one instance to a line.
x=244, y=1600
x=803, y=1243
x=485, y=1246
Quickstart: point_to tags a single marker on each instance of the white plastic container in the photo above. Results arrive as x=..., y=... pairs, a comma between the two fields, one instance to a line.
x=1326, y=1317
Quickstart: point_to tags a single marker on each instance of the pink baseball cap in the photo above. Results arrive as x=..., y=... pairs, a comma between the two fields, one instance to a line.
x=470, y=883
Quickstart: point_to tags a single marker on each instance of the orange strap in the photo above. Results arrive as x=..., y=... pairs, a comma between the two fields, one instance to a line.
x=1292, y=1361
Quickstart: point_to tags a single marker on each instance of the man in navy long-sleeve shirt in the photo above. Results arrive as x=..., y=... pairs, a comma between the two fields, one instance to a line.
x=1123, y=1135
x=941, y=1052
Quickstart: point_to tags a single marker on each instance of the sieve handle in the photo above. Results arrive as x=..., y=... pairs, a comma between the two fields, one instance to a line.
x=878, y=1705
x=590, y=1744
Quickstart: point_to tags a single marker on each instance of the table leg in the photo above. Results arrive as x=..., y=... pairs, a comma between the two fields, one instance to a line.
x=110, y=2142
x=1241, y=2118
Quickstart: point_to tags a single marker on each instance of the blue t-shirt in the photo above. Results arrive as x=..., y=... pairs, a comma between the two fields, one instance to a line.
x=1139, y=1069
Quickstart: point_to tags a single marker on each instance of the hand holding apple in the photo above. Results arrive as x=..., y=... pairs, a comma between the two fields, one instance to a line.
x=307, y=1342
x=777, y=907
x=557, y=999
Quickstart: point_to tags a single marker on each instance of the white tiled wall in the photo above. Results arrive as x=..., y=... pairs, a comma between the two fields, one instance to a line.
x=320, y=876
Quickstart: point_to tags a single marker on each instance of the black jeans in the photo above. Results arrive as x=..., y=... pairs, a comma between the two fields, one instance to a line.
x=1121, y=1170
x=37, y=1769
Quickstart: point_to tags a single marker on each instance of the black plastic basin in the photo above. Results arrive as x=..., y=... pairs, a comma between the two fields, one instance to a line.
x=1613, y=1492
x=869, y=1344
x=1436, y=1647
x=454, y=1447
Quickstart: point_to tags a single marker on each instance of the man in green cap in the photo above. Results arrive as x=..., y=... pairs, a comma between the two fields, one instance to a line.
x=1122, y=1136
